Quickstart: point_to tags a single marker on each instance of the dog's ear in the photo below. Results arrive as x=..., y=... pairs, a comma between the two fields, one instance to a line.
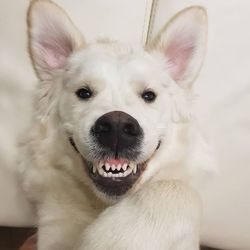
x=52, y=37
x=183, y=42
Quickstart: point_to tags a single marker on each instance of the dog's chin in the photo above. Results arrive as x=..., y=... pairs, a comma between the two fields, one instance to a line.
x=113, y=178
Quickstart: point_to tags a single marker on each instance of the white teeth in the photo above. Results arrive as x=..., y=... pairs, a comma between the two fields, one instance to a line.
x=100, y=171
x=119, y=167
x=135, y=169
x=104, y=169
x=129, y=171
x=125, y=174
x=124, y=167
x=107, y=166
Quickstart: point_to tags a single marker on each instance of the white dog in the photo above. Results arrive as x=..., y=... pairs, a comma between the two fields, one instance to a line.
x=113, y=146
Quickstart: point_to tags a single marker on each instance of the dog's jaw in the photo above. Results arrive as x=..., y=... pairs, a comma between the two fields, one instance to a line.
x=115, y=180
x=111, y=179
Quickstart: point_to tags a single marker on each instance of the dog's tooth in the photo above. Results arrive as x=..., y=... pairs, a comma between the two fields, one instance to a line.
x=135, y=169
x=120, y=175
x=105, y=174
x=107, y=166
x=100, y=171
x=124, y=166
x=100, y=165
x=118, y=167
x=115, y=175
x=109, y=174
x=113, y=167
x=94, y=169
x=132, y=165
x=129, y=171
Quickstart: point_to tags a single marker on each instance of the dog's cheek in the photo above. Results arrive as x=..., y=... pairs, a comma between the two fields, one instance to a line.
x=66, y=112
x=154, y=128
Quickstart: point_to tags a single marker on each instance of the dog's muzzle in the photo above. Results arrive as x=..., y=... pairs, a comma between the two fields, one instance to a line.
x=117, y=137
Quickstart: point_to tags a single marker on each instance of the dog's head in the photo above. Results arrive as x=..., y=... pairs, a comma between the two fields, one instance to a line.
x=116, y=104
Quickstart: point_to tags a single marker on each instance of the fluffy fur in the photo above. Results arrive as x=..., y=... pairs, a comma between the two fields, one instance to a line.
x=160, y=211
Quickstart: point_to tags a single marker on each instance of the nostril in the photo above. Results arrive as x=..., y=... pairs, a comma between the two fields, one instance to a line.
x=104, y=127
x=130, y=129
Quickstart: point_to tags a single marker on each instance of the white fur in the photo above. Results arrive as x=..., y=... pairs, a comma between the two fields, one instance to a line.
x=159, y=212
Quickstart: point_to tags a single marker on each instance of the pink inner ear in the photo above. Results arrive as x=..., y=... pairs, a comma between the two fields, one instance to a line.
x=55, y=49
x=54, y=59
x=179, y=53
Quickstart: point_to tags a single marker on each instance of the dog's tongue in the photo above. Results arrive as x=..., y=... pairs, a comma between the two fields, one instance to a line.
x=116, y=161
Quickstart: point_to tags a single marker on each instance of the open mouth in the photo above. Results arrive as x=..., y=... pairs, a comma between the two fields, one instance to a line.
x=115, y=177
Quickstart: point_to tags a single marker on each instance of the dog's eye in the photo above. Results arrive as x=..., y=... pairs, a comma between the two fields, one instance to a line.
x=84, y=93
x=148, y=96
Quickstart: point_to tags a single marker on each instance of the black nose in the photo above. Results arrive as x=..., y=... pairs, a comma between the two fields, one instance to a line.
x=117, y=131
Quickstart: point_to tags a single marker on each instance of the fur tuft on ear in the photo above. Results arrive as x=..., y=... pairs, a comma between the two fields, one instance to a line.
x=183, y=42
x=52, y=37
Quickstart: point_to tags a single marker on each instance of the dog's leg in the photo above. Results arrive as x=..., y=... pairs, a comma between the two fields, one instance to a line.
x=162, y=215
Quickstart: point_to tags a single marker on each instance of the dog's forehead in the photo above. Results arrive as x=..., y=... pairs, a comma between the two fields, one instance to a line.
x=114, y=60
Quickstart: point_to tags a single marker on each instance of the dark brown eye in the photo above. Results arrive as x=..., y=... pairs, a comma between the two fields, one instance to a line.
x=148, y=96
x=84, y=93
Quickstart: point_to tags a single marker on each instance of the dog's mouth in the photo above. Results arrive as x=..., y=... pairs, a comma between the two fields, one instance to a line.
x=115, y=177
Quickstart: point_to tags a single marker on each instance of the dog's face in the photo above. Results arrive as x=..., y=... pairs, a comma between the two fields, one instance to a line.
x=116, y=103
